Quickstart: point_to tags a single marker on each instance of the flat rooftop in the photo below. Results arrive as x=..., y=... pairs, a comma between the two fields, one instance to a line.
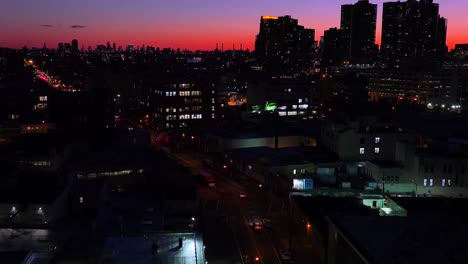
x=31, y=187
x=286, y=156
x=246, y=130
x=389, y=240
x=139, y=249
x=434, y=205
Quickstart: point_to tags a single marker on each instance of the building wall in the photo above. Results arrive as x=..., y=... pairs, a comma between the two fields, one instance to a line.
x=340, y=250
x=348, y=142
x=283, y=142
x=182, y=105
x=295, y=171
x=432, y=88
x=429, y=175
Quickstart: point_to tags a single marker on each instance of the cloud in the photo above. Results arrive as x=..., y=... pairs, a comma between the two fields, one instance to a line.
x=77, y=26
x=46, y=25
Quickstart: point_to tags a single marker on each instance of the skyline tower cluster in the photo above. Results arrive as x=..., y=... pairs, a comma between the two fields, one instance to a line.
x=282, y=42
x=411, y=31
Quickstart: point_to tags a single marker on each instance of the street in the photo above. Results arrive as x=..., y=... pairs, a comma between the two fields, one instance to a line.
x=228, y=232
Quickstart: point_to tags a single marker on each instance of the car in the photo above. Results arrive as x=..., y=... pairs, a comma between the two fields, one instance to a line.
x=242, y=195
x=285, y=254
x=257, y=226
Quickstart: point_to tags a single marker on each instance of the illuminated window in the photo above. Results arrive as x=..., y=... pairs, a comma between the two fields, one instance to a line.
x=377, y=150
x=43, y=98
x=361, y=151
x=184, y=86
x=294, y=171
x=81, y=200
x=377, y=140
x=431, y=182
x=449, y=182
x=443, y=182
x=425, y=182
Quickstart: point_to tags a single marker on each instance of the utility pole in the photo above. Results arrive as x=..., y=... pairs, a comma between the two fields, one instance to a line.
x=195, y=243
x=291, y=224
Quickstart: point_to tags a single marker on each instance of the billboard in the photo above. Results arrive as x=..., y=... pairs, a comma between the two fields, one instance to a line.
x=303, y=184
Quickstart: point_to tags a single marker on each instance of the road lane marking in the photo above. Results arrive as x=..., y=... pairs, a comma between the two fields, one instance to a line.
x=276, y=254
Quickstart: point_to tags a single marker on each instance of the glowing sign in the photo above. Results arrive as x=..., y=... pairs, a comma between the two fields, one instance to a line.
x=270, y=17
x=270, y=106
x=236, y=100
x=303, y=184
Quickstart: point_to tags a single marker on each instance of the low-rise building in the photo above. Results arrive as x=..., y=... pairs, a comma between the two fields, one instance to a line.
x=407, y=234
x=295, y=163
x=365, y=139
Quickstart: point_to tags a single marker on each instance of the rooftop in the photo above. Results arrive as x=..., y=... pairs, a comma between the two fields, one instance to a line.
x=246, y=130
x=114, y=159
x=30, y=187
x=386, y=240
x=286, y=156
x=433, y=205
x=139, y=249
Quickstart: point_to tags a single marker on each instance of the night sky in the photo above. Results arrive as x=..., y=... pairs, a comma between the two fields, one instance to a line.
x=192, y=24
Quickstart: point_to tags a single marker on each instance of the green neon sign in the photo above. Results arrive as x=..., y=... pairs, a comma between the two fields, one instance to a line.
x=270, y=106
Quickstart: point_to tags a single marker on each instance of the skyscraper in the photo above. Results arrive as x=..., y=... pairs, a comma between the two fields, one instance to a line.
x=334, y=46
x=283, y=44
x=358, y=23
x=74, y=45
x=412, y=31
